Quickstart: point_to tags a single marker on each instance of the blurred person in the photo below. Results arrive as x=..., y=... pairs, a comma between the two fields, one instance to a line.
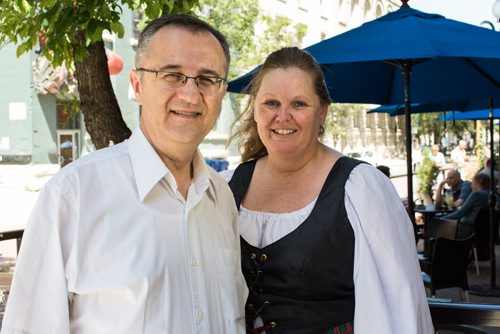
x=142, y=236
x=459, y=156
x=416, y=153
x=478, y=199
x=384, y=169
x=314, y=257
x=458, y=189
x=487, y=170
x=437, y=156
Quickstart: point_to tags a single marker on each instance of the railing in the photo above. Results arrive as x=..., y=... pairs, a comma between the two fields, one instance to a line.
x=466, y=317
x=14, y=234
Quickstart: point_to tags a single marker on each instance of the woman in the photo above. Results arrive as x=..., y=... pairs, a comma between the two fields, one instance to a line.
x=327, y=246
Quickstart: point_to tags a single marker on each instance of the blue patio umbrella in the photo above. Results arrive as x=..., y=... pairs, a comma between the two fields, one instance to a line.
x=483, y=114
x=447, y=60
x=416, y=108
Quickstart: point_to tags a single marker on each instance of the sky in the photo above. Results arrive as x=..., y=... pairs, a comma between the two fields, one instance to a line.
x=469, y=11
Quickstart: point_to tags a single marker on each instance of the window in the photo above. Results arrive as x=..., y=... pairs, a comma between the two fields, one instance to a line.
x=67, y=118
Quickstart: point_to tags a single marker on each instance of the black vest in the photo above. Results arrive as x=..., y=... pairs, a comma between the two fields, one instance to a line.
x=303, y=283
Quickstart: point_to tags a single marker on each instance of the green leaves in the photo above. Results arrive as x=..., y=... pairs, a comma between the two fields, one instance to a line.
x=118, y=28
x=59, y=23
x=427, y=172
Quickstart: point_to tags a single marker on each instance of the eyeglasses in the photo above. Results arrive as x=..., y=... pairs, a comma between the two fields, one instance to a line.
x=208, y=85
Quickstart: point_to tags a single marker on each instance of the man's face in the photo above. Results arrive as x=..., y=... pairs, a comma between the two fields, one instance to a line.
x=177, y=119
x=452, y=178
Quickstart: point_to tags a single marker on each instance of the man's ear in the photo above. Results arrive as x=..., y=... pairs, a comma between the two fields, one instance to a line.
x=135, y=82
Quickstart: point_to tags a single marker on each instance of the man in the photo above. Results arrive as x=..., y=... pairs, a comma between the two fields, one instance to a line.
x=459, y=156
x=438, y=159
x=437, y=156
x=460, y=189
x=477, y=201
x=141, y=237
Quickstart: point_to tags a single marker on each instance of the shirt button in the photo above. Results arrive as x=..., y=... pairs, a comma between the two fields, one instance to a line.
x=194, y=263
x=201, y=315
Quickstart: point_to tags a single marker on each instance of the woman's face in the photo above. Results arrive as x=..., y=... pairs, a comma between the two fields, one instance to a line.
x=288, y=112
x=475, y=185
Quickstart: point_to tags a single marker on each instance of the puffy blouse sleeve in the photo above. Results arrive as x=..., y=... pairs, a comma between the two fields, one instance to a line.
x=389, y=290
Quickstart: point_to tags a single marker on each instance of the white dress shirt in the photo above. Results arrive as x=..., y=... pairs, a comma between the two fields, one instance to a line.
x=388, y=286
x=113, y=247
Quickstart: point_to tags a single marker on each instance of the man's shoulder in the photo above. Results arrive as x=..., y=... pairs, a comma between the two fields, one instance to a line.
x=466, y=185
x=93, y=164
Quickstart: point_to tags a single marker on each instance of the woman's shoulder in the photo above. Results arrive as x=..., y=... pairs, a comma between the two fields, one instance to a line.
x=227, y=174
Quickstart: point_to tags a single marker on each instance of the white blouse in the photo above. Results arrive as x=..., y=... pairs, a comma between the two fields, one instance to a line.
x=263, y=228
x=389, y=291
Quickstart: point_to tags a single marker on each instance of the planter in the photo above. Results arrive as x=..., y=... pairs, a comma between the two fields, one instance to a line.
x=426, y=198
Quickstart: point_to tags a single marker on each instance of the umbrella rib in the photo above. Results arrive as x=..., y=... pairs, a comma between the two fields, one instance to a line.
x=483, y=72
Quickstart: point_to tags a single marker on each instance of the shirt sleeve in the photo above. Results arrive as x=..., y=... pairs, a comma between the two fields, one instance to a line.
x=38, y=300
x=389, y=290
x=465, y=190
x=464, y=209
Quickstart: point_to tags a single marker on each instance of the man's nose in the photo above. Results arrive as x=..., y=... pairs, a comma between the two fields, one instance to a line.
x=189, y=91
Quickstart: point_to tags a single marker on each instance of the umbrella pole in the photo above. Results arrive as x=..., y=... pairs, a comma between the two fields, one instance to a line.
x=492, y=200
x=406, y=69
x=490, y=290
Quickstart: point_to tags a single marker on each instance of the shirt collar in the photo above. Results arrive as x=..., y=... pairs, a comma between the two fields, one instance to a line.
x=201, y=176
x=149, y=169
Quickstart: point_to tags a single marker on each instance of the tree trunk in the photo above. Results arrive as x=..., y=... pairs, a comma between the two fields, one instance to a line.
x=103, y=118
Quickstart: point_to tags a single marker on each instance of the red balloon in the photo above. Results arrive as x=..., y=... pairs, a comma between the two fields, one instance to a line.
x=115, y=62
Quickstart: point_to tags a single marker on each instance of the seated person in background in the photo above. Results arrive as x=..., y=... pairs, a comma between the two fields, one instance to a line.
x=487, y=170
x=437, y=156
x=459, y=188
x=459, y=155
x=384, y=169
x=477, y=200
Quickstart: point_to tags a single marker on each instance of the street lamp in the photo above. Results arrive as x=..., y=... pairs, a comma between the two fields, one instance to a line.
x=496, y=10
x=496, y=13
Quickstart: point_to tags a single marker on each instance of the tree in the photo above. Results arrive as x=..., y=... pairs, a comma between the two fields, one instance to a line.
x=237, y=21
x=278, y=33
x=426, y=124
x=72, y=33
x=336, y=123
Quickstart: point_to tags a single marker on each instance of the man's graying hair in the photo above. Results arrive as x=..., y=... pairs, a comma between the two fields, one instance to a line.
x=185, y=21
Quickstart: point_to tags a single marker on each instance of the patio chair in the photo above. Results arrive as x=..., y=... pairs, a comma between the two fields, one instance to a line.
x=439, y=227
x=481, y=246
x=465, y=317
x=447, y=265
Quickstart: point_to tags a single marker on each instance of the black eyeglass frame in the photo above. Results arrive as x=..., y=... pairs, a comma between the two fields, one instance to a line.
x=219, y=80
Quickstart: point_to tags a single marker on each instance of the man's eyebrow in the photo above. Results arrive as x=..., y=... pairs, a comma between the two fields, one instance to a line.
x=201, y=71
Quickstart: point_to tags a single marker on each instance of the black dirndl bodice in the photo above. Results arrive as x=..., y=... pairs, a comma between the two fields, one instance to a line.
x=303, y=283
